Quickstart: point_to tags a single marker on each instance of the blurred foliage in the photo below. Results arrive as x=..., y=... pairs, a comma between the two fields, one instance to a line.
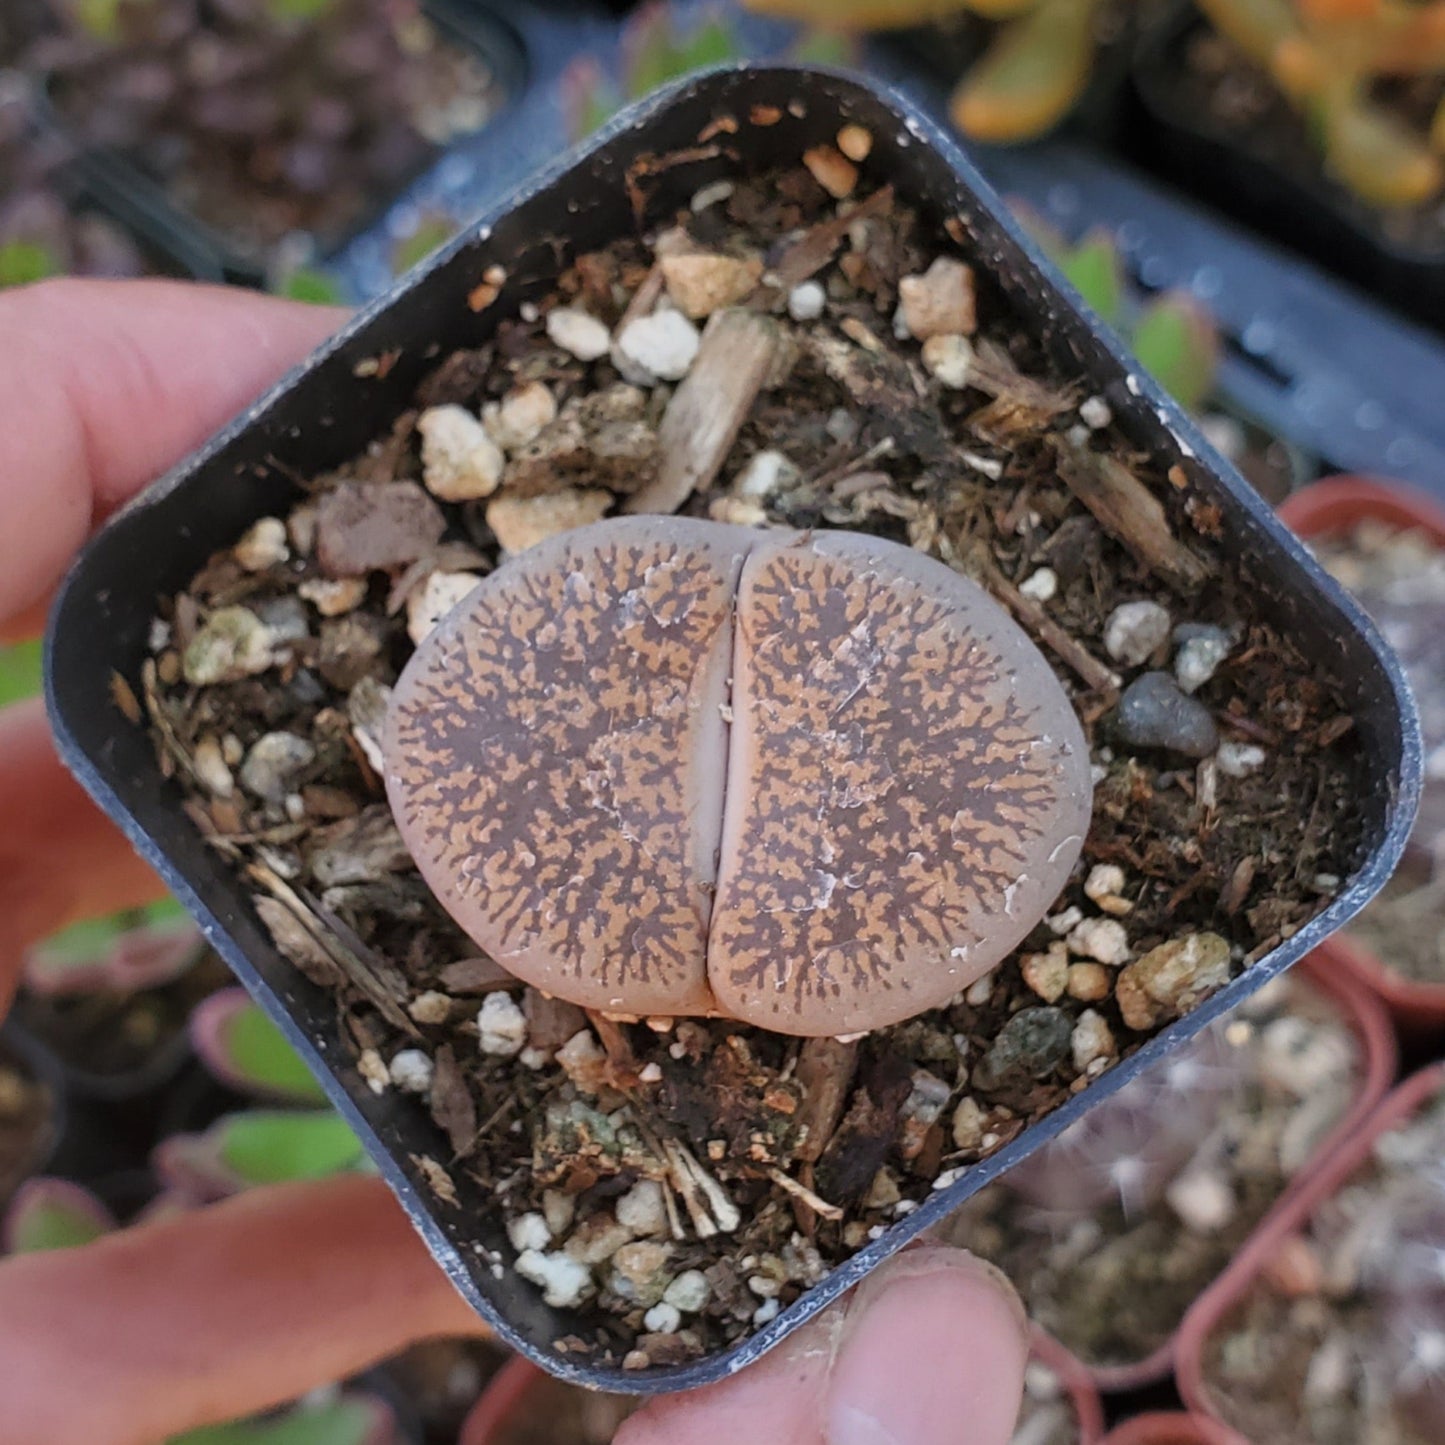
x=22, y=262
x=1033, y=70
x=653, y=52
x=48, y=1214
x=21, y=671
x=310, y=284
x=1327, y=58
x=344, y=1421
x=1173, y=336
x=433, y=230
x=246, y=1051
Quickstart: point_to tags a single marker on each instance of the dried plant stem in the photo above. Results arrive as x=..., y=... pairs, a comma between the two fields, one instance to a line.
x=815, y=247
x=1130, y=513
x=362, y=966
x=1069, y=649
x=825, y=1071
x=702, y=421
x=814, y=1202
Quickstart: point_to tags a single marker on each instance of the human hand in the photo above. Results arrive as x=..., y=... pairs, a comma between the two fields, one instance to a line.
x=243, y=1305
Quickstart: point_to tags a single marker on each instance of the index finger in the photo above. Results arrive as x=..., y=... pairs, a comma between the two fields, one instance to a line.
x=103, y=386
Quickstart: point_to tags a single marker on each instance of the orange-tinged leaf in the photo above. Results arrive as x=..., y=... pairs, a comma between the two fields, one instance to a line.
x=1325, y=11
x=1256, y=26
x=1031, y=76
x=1298, y=68
x=1380, y=160
x=857, y=14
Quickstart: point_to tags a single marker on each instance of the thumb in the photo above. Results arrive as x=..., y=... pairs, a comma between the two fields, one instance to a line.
x=929, y=1350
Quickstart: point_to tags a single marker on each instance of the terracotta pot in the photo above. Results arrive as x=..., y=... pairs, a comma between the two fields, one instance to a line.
x=1171, y=1429
x=1378, y=1063
x=506, y=1393
x=1326, y=509
x=1337, y=504
x=509, y=1389
x=1076, y=1379
x=1233, y=1284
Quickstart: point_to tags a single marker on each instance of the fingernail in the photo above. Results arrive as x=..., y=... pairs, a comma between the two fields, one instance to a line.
x=932, y=1352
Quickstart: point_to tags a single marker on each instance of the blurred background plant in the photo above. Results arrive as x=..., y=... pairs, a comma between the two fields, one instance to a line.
x=273, y=117
x=655, y=49
x=1171, y=333
x=1358, y=72
x=41, y=233
x=1033, y=62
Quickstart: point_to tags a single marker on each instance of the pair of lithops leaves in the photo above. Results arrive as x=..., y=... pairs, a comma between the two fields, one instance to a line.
x=816, y=782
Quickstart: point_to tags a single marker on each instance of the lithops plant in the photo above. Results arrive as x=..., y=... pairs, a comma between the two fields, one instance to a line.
x=814, y=782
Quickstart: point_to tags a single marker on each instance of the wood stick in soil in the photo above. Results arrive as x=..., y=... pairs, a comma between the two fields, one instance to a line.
x=825, y=1072
x=815, y=247
x=702, y=421
x=361, y=967
x=1090, y=671
x=1130, y=513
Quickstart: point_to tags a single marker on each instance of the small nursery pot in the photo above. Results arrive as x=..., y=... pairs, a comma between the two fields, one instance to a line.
x=765, y=116
x=1160, y=1428
x=17, y=1047
x=1231, y=1286
x=1076, y=1378
x=506, y=1394
x=1300, y=207
x=186, y=244
x=1378, y=1061
x=1325, y=509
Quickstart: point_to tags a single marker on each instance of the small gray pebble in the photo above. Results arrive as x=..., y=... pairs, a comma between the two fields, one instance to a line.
x=286, y=617
x=274, y=763
x=1199, y=655
x=1188, y=631
x=1031, y=1045
x=1154, y=713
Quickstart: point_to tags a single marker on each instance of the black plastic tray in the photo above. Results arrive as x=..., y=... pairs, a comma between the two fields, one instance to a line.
x=1305, y=210
x=145, y=207
x=322, y=414
x=1316, y=362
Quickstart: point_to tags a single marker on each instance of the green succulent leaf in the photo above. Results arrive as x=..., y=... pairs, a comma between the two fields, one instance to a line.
x=433, y=231
x=257, y=1051
x=20, y=671
x=1031, y=76
x=1094, y=269
x=309, y=284
x=339, y=1422
x=712, y=44
x=1177, y=341
x=95, y=953
x=297, y=12
x=816, y=46
x=100, y=19
x=272, y=1147
x=54, y=1214
x=858, y=14
x=589, y=99
x=652, y=51
x=22, y=262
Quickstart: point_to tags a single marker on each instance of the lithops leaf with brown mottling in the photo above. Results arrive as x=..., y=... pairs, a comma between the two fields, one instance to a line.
x=866, y=760
x=554, y=760
x=908, y=788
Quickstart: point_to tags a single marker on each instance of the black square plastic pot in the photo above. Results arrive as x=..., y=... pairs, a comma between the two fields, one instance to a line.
x=145, y=205
x=323, y=414
x=1303, y=209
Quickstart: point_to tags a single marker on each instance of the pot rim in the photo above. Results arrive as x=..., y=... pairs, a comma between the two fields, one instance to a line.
x=1207, y=1311
x=1379, y=1059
